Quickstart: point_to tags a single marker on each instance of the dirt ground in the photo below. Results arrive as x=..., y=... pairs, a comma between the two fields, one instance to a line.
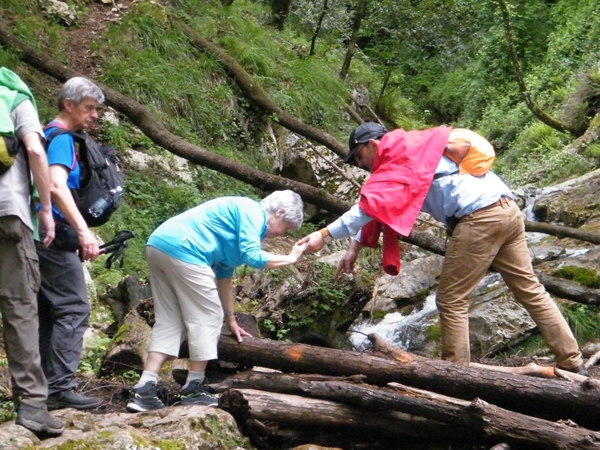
x=113, y=391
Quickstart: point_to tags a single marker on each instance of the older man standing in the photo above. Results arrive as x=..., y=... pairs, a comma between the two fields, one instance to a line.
x=63, y=302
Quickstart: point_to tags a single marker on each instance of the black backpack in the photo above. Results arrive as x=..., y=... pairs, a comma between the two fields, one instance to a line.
x=101, y=178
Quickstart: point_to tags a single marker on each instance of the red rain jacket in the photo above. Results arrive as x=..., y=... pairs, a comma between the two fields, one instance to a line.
x=393, y=195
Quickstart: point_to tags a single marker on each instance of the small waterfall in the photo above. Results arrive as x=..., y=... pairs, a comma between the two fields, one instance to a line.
x=392, y=327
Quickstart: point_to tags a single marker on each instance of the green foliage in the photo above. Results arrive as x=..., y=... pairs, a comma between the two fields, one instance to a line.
x=584, y=321
x=7, y=410
x=540, y=156
x=582, y=275
x=434, y=333
x=95, y=351
x=417, y=64
x=534, y=345
x=226, y=437
x=129, y=377
x=315, y=306
x=7, y=407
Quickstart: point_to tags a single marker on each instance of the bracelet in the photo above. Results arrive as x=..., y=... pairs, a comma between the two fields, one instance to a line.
x=230, y=314
x=326, y=235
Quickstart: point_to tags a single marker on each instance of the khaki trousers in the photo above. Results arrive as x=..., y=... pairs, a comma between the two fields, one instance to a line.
x=186, y=304
x=19, y=283
x=496, y=237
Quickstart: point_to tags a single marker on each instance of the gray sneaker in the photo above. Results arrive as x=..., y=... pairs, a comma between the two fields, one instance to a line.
x=145, y=398
x=39, y=421
x=71, y=399
x=197, y=393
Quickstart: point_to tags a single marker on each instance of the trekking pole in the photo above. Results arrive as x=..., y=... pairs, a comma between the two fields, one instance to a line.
x=116, y=247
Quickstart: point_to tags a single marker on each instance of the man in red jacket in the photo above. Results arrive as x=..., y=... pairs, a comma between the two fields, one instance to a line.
x=411, y=173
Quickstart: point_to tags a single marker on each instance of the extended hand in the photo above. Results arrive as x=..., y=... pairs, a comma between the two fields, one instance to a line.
x=314, y=241
x=298, y=250
x=346, y=264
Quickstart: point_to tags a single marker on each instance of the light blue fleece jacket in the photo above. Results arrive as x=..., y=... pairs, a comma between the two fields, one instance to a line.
x=223, y=233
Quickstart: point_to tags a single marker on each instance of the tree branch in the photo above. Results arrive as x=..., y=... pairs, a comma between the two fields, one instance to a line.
x=533, y=107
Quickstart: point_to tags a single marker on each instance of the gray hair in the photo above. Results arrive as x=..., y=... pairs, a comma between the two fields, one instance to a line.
x=290, y=203
x=77, y=89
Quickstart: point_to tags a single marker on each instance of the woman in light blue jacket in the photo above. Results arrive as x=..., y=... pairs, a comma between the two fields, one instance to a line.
x=192, y=258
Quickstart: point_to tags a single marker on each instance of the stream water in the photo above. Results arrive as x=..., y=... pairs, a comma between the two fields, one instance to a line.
x=393, y=328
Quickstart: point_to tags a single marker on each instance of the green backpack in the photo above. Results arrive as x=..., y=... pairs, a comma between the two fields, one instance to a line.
x=9, y=148
x=13, y=91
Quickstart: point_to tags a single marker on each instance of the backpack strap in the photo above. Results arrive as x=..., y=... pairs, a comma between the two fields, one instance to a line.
x=60, y=129
x=437, y=176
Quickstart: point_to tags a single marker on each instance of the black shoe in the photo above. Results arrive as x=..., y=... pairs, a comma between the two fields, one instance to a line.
x=197, y=393
x=71, y=399
x=145, y=398
x=39, y=421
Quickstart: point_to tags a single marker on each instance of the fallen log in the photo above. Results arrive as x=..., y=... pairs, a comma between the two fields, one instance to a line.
x=275, y=381
x=481, y=418
x=562, y=232
x=484, y=421
x=569, y=290
x=358, y=424
x=547, y=399
x=383, y=348
x=129, y=345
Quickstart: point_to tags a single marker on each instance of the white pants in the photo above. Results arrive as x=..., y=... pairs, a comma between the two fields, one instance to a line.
x=186, y=304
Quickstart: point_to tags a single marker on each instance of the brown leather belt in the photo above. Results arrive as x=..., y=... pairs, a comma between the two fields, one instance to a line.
x=501, y=201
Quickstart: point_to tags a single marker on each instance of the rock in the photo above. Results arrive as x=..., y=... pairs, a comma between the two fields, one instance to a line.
x=172, y=427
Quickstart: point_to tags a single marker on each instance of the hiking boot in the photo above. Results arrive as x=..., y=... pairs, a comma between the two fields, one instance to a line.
x=145, y=398
x=197, y=393
x=71, y=399
x=39, y=421
x=580, y=370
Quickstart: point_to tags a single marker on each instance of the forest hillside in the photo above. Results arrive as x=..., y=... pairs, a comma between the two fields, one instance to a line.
x=236, y=80
x=212, y=98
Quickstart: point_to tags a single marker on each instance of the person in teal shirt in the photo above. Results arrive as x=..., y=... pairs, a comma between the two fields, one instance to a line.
x=192, y=258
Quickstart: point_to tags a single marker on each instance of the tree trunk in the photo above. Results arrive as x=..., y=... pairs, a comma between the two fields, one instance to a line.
x=280, y=10
x=548, y=399
x=338, y=404
x=318, y=28
x=533, y=107
x=358, y=16
x=562, y=232
x=481, y=419
x=570, y=290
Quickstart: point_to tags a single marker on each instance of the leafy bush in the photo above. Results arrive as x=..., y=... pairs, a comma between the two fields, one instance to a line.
x=584, y=321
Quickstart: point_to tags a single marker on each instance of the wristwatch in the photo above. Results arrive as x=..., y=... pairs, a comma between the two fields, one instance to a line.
x=326, y=236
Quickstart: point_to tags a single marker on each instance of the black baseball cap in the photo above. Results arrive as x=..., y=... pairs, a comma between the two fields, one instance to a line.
x=361, y=135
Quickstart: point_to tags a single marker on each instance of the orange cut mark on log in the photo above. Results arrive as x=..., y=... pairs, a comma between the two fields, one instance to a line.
x=295, y=353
